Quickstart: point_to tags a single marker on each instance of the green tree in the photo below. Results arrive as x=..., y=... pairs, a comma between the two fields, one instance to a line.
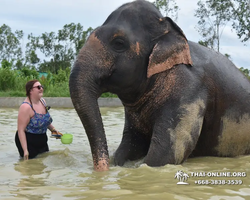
x=203, y=43
x=245, y=71
x=5, y=64
x=31, y=57
x=228, y=56
x=10, y=46
x=213, y=18
x=57, y=50
x=168, y=8
x=74, y=35
x=63, y=47
x=214, y=15
x=27, y=72
x=240, y=13
x=60, y=54
x=7, y=76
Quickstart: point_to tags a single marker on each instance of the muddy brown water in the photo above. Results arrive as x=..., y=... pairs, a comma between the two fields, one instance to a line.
x=66, y=172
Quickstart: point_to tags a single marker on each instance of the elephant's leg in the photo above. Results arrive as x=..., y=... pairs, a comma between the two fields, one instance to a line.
x=175, y=137
x=133, y=146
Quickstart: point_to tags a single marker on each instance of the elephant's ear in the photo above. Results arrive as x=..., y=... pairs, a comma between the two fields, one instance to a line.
x=171, y=49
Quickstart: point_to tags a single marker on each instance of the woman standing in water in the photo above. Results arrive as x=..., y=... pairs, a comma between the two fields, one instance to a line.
x=33, y=122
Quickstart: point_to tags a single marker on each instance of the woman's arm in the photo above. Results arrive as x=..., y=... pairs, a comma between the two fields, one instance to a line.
x=22, y=122
x=52, y=128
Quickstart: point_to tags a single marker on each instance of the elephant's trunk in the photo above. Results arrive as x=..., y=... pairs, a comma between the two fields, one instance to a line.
x=85, y=89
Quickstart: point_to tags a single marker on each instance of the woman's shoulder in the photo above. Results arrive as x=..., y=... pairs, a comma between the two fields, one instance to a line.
x=25, y=106
x=25, y=109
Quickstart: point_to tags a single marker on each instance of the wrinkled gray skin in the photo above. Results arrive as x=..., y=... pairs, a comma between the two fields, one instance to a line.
x=181, y=99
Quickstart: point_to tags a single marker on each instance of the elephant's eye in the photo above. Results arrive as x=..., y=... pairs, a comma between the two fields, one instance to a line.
x=119, y=44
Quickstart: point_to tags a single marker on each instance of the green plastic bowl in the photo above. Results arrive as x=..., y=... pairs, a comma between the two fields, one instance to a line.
x=67, y=138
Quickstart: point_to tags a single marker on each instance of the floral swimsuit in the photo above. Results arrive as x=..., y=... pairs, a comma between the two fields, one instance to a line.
x=35, y=134
x=38, y=123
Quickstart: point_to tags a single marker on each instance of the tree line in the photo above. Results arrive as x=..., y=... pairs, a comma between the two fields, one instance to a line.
x=51, y=52
x=60, y=48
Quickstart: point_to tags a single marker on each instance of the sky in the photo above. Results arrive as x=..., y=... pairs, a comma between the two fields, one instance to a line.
x=40, y=16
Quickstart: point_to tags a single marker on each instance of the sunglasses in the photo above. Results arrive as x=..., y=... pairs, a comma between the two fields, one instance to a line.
x=39, y=87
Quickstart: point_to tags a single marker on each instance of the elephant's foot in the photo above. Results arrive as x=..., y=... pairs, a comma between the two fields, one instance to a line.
x=159, y=154
x=129, y=152
x=120, y=156
x=101, y=166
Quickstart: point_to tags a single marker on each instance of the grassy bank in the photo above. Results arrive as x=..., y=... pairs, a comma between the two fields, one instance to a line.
x=12, y=83
x=57, y=90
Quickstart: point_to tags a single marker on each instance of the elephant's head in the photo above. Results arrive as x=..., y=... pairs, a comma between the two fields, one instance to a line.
x=122, y=56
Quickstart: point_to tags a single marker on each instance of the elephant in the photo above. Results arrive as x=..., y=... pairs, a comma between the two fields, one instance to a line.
x=180, y=99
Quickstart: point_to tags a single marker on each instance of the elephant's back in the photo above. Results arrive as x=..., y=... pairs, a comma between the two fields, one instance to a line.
x=219, y=69
x=208, y=58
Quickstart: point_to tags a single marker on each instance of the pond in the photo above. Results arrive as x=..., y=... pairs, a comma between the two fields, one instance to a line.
x=66, y=171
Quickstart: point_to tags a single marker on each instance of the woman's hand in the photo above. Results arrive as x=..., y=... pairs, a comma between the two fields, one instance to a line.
x=55, y=132
x=26, y=155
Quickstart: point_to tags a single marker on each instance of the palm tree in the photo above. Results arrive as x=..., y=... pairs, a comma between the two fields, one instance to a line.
x=179, y=175
x=185, y=177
